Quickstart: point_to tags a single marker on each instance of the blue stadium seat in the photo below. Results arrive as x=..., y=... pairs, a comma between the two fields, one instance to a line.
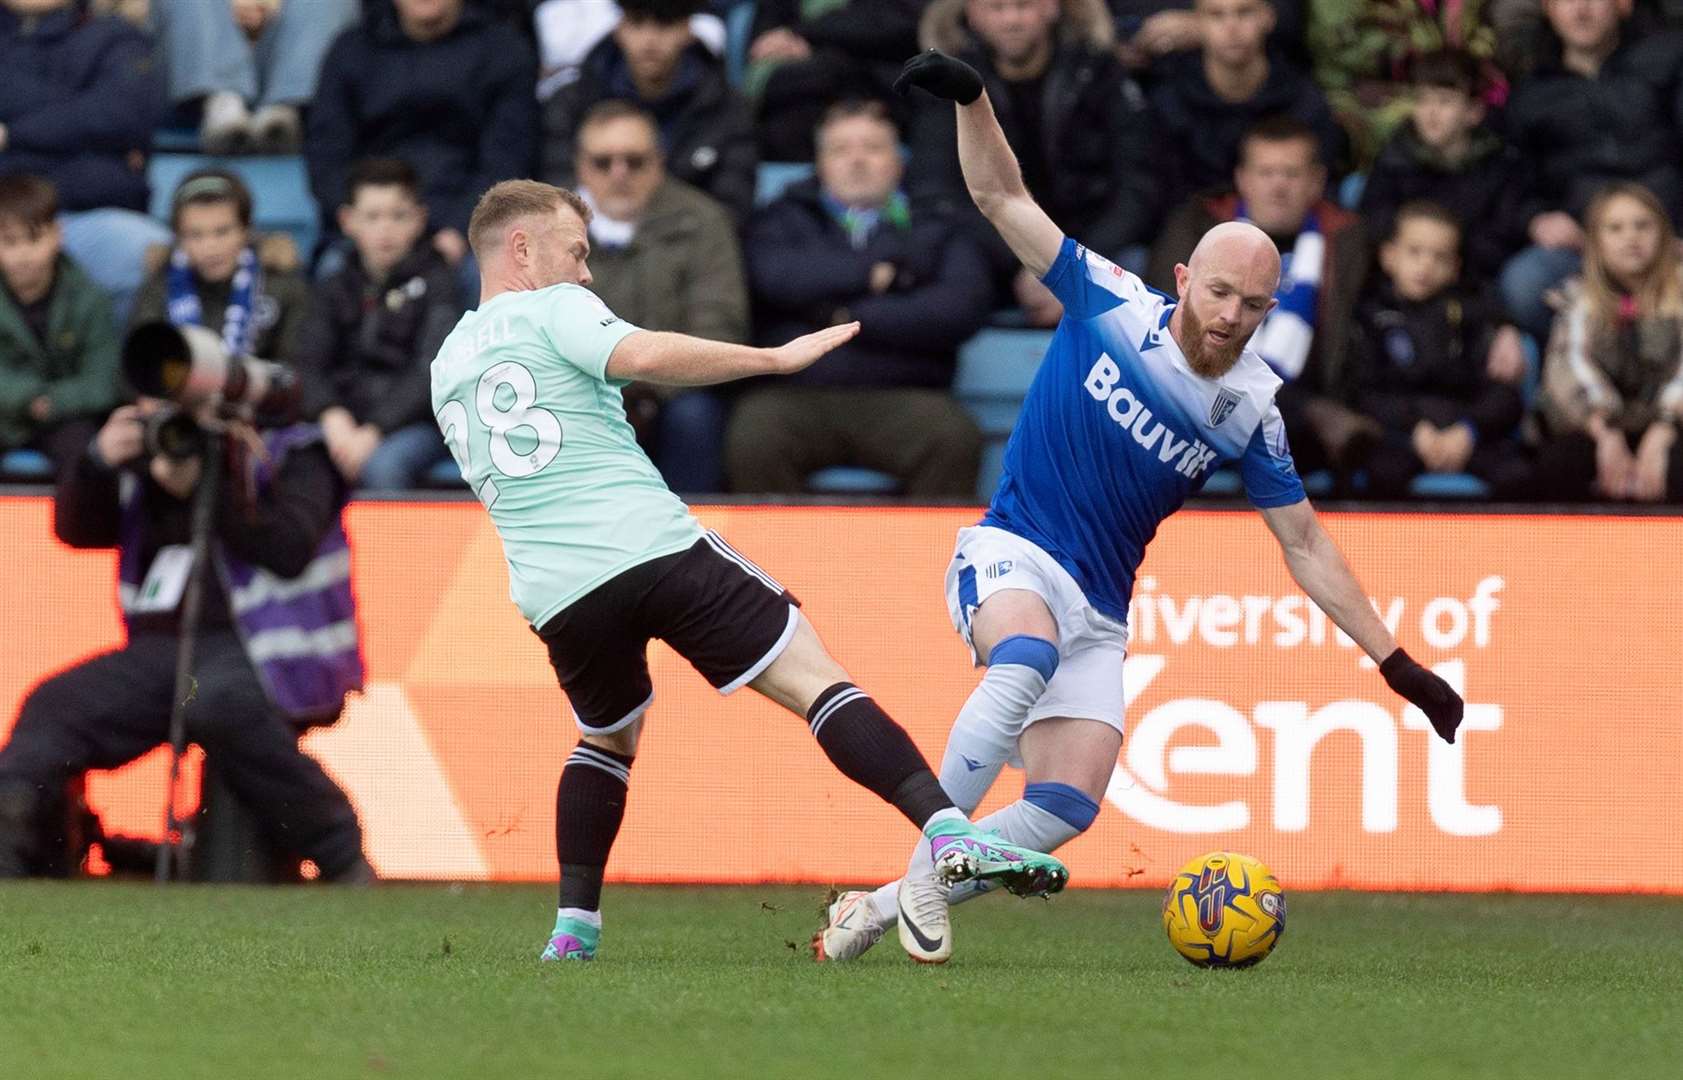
x=1448, y=486
x=1223, y=484
x=444, y=474
x=774, y=176
x=846, y=480
x=280, y=188
x=25, y=465
x=1350, y=190
x=995, y=369
x=739, y=25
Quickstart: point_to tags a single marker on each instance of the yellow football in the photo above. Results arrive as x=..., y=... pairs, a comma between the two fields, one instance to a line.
x=1224, y=910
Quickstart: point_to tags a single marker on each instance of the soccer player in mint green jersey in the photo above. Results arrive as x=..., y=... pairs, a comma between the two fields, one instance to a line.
x=602, y=558
x=1140, y=395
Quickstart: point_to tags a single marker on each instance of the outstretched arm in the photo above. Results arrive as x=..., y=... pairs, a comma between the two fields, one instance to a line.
x=682, y=360
x=990, y=168
x=1320, y=570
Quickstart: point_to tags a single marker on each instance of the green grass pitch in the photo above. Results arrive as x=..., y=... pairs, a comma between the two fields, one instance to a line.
x=130, y=982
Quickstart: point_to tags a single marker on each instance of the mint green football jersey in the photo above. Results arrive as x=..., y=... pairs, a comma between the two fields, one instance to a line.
x=521, y=393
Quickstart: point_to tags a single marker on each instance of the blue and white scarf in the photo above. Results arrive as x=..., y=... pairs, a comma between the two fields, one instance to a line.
x=239, y=327
x=1286, y=334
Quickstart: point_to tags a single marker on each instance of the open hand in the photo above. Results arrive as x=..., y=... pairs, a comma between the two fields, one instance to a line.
x=803, y=352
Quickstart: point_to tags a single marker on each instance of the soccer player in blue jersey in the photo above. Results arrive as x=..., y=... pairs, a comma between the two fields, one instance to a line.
x=1139, y=397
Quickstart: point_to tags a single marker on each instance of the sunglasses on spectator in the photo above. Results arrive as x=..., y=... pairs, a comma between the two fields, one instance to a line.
x=634, y=162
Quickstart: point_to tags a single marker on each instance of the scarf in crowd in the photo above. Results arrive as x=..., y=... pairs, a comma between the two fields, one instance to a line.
x=239, y=328
x=1284, y=338
x=861, y=222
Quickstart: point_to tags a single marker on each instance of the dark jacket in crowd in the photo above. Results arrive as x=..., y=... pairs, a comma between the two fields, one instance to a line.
x=1198, y=133
x=706, y=128
x=74, y=364
x=682, y=272
x=368, y=346
x=461, y=110
x=1290, y=22
x=879, y=30
x=1425, y=360
x=1576, y=134
x=1347, y=256
x=79, y=97
x=1483, y=192
x=804, y=275
x=279, y=310
x=1087, y=156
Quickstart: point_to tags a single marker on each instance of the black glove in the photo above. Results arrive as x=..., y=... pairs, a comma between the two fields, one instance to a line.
x=1434, y=697
x=942, y=75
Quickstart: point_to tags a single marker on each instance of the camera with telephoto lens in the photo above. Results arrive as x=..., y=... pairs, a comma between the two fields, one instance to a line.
x=188, y=366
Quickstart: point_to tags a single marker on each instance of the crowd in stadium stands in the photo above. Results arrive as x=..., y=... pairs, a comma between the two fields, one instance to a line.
x=1475, y=202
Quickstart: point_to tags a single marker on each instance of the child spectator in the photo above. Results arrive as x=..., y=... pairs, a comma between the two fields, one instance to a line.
x=1430, y=364
x=58, y=345
x=217, y=275
x=1444, y=154
x=1612, y=382
x=375, y=325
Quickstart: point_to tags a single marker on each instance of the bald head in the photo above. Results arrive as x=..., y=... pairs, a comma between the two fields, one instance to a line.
x=1226, y=290
x=1241, y=249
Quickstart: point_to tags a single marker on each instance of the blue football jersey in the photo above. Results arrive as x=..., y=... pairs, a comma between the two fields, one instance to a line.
x=1117, y=430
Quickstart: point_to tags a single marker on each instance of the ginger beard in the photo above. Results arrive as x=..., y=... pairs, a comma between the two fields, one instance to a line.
x=1205, y=356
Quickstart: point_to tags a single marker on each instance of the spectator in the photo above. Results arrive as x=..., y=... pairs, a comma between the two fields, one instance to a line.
x=1603, y=106
x=1206, y=100
x=366, y=349
x=1148, y=31
x=1612, y=382
x=664, y=257
x=567, y=31
x=1361, y=50
x=653, y=60
x=218, y=275
x=276, y=644
x=235, y=54
x=805, y=55
x=1324, y=256
x=1076, y=122
x=77, y=106
x=845, y=246
x=1431, y=363
x=441, y=85
x=58, y=345
x=1444, y=154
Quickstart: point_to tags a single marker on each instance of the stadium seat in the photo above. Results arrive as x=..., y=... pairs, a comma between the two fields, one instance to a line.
x=1448, y=486
x=995, y=369
x=1223, y=484
x=1350, y=190
x=739, y=26
x=774, y=176
x=25, y=465
x=845, y=480
x=280, y=189
x=444, y=474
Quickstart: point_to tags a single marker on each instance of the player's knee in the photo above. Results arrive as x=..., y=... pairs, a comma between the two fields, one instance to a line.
x=624, y=741
x=1028, y=651
x=1069, y=804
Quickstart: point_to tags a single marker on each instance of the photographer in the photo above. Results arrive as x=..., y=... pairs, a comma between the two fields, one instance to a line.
x=276, y=644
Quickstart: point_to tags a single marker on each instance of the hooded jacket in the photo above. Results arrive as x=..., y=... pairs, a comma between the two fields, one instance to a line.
x=706, y=129
x=1577, y=133
x=1101, y=185
x=1483, y=192
x=79, y=98
x=368, y=346
x=1199, y=132
x=804, y=275
x=461, y=110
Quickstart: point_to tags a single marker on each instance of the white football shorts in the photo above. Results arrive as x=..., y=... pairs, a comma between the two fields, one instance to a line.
x=1091, y=646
